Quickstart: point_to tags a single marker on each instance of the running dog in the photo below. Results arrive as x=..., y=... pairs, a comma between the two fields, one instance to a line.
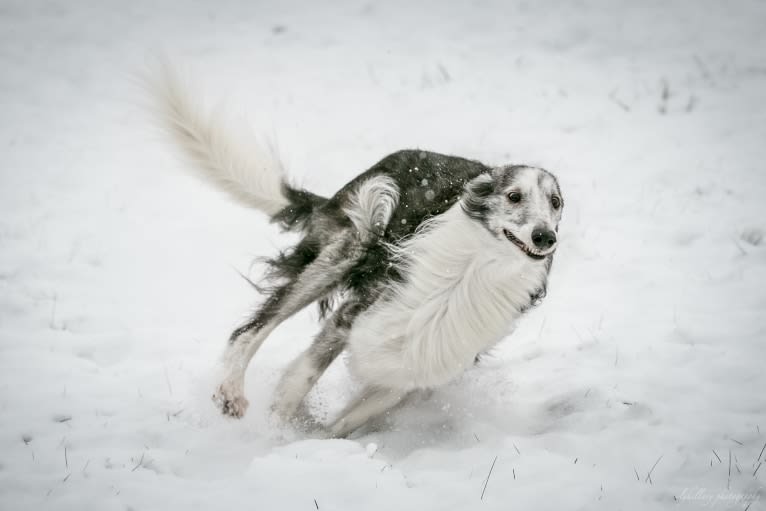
x=418, y=264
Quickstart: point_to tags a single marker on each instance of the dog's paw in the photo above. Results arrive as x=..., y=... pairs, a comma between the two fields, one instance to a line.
x=287, y=410
x=340, y=429
x=230, y=403
x=300, y=418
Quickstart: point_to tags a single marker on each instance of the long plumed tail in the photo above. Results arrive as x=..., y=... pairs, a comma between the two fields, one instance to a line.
x=236, y=163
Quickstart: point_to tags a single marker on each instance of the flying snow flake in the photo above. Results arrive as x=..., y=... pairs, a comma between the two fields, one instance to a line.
x=424, y=182
x=430, y=194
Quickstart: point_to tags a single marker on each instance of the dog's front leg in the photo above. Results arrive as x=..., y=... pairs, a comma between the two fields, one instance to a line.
x=304, y=371
x=372, y=402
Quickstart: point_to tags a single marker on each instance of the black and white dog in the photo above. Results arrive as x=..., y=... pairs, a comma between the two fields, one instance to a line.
x=418, y=264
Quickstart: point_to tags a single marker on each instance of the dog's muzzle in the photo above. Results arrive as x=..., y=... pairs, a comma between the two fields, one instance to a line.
x=524, y=248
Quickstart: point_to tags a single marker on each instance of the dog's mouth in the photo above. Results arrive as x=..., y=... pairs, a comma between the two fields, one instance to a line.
x=523, y=246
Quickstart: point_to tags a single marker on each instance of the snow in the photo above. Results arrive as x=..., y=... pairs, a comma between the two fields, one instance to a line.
x=643, y=366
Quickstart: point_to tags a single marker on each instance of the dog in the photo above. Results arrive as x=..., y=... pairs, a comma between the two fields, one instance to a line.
x=419, y=264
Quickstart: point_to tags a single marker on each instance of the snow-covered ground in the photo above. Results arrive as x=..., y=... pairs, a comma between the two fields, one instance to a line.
x=638, y=384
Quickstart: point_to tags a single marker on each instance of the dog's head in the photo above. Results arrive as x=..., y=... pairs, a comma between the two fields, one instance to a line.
x=519, y=205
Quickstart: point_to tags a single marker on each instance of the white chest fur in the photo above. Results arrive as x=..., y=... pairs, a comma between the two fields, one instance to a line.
x=464, y=289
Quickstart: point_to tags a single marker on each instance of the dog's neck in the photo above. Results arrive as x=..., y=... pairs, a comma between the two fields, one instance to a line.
x=452, y=247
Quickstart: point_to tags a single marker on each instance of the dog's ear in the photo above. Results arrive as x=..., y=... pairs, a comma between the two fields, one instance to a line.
x=477, y=192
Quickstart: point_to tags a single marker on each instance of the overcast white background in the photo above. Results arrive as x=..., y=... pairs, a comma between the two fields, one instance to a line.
x=638, y=384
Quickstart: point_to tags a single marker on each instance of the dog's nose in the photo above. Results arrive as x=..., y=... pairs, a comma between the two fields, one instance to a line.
x=543, y=238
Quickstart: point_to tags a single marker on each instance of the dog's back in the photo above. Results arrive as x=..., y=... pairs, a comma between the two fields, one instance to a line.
x=426, y=183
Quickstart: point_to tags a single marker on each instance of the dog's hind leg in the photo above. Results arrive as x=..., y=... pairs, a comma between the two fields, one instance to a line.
x=371, y=403
x=305, y=370
x=315, y=280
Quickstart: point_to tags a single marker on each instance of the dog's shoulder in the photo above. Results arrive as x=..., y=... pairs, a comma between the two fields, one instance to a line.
x=429, y=184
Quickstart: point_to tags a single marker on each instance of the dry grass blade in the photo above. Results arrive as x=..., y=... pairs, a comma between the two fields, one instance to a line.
x=728, y=481
x=140, y=462
x=649, y=475
x=488, y=476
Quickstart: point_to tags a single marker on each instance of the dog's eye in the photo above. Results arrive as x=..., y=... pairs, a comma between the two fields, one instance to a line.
x=514, y=197
x=555, y=202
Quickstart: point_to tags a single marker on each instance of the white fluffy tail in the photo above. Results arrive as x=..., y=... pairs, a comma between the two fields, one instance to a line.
x=371, y=206
x=245, y=169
